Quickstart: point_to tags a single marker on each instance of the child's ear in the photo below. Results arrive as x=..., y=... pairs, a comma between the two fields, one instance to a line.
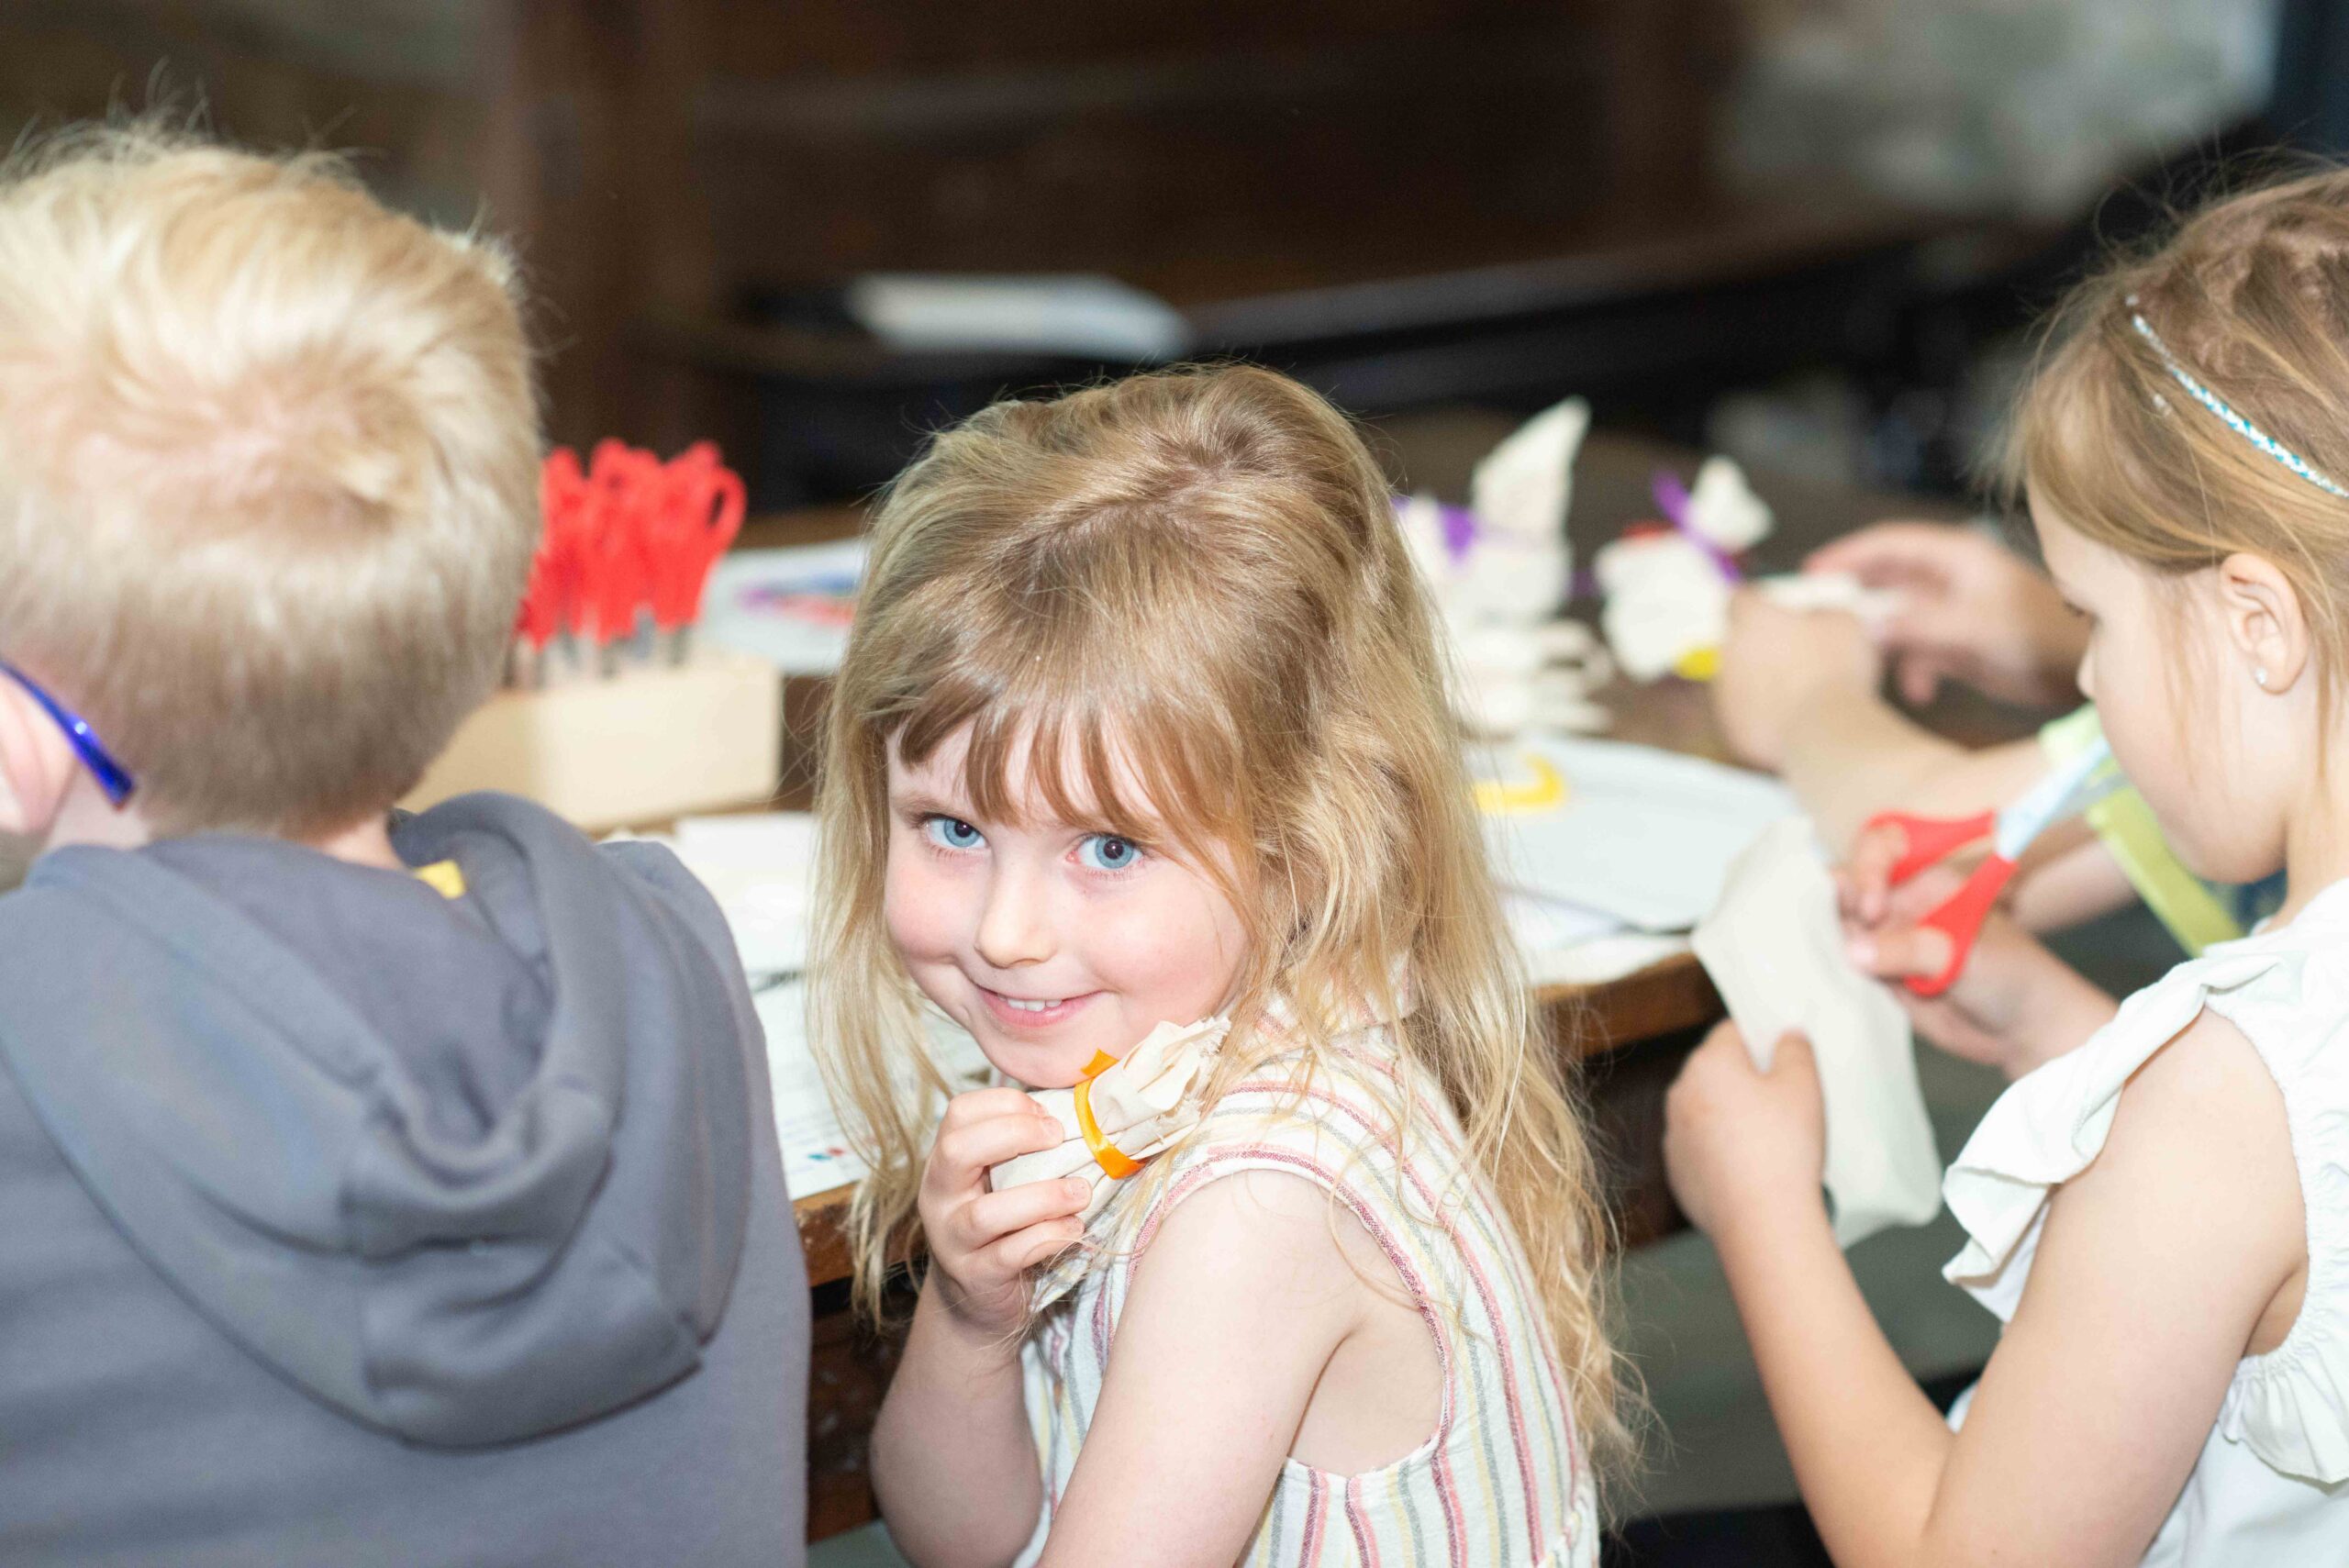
x=36, y=765
x=2265, y=627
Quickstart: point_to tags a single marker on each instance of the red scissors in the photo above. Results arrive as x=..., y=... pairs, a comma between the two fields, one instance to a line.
x=1930, y=840
x=550, y=605
x=614, y=573
x=696, y=515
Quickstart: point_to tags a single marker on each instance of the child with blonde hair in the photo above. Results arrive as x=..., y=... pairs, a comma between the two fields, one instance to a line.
x=1142, y=721
x=373, y=1188
x=2158, y=1209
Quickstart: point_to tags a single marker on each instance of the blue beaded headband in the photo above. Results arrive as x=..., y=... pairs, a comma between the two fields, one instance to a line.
x=2216, y=404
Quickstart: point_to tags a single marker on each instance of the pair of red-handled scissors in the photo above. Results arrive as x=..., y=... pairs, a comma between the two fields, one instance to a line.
x=698, y=513
x=1930, y=840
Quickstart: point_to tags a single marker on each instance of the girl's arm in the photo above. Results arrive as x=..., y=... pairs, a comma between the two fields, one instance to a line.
x=953, y=1460
x=2153, y=1274
x=1799, y=694
x=1246, y=1292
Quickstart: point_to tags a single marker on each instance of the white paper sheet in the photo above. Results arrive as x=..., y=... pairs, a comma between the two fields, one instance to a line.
x=790, y=607
x=816, y=1156
x=758, y=866
x=1640, y=834
x=1774, y=949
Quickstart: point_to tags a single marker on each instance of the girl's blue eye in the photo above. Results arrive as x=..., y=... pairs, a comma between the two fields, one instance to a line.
x=1106, y=852
x=953, y=833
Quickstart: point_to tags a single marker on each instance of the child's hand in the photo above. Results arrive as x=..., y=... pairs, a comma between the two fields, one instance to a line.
x=1775, y=661
x=2013, y=1006
x=1972, y=610
x=982, y=1242
x=1863, y=887
x=1735, y=1137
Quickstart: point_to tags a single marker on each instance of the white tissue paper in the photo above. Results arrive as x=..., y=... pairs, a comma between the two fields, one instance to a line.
x=1774, y=949
x=1140, y=1104
x=1500, y=571
x=1723, y=507
x=1667, y=601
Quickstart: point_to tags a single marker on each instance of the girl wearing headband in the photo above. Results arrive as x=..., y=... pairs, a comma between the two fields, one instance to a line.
x=2159, y=1212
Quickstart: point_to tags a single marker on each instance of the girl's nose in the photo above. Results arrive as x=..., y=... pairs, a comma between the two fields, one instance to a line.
x=1015, y=927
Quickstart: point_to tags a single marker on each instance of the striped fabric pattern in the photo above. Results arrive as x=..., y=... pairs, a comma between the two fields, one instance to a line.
x=1503, y=1479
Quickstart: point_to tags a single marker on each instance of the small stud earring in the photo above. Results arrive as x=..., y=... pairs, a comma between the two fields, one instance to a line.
x=2259, y=676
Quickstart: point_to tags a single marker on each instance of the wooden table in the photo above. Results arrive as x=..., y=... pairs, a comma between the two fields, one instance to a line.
x=1625, y=1039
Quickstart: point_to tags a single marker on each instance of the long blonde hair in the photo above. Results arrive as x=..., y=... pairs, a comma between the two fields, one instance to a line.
x=1197, y=571
x=2251, y=296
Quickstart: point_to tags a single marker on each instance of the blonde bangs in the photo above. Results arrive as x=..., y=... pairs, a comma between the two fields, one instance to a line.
x=1142, y=761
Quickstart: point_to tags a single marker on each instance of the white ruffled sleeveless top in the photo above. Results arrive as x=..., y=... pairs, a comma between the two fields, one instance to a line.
x=2268, y=1487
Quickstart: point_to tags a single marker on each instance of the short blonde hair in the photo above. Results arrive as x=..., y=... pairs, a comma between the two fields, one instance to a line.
x=1197, y=572
x=268, y=472
x=2251, y=294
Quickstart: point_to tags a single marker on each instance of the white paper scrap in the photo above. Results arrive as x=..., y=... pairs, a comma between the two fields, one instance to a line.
x=1774, y=949
x=1638, y=833
x=790, y=607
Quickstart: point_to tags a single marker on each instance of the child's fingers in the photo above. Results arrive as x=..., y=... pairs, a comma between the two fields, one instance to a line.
x=965, y=1150
x=1023, y=1250
x=993, y=1215
x=1864, y=881
x=1909, y=902
x=985, y=1104
x=1792, y=1053
x=1901, y=951
x=1919, y=678
x=1896, y=550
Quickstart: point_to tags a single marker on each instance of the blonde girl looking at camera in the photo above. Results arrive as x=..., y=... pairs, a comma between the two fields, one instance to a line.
x=2158, y=1209
x=1141, y=721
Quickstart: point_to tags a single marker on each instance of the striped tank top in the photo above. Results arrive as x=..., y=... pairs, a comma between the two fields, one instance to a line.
x=1503, y=1479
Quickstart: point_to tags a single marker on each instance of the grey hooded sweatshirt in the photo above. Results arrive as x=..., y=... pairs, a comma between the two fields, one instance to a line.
x=343, y=1222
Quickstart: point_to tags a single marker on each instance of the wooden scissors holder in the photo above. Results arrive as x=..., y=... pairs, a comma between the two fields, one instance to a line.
x=652, y=744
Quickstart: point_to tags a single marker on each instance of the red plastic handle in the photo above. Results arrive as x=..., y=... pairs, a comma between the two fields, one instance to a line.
x=1960, y=918
x=1929, y=838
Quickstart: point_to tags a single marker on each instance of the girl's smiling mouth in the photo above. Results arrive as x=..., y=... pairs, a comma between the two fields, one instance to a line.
x=1032, y=1012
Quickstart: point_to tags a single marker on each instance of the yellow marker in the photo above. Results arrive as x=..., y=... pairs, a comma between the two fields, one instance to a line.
x=1698, y=665
x=1546, y=792
x=444, y=877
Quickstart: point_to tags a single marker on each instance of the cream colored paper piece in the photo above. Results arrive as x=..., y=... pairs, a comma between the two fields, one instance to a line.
x=1500, y=571
x=1833, y=591
x=1665, y=599
x=1140, y=1104
x=1724, y=508
x=1520, y=488
x=1774, y=949
x=1641, y=835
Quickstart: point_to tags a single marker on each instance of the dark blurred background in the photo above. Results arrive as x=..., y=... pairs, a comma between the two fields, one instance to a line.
x=1805, y=232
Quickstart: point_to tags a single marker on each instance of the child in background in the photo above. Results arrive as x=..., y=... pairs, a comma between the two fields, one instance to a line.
x=1799, y=694
x=371, y=1190
x=2158, y=1212
x=1141, y=721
